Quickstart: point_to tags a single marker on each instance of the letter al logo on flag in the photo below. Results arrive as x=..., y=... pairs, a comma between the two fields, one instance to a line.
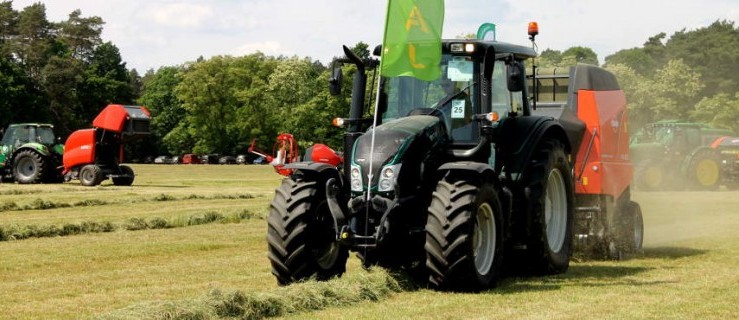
x=412, y=41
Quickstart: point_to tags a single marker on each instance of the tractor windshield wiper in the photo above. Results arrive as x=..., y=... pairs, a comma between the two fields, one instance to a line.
x=450, y=98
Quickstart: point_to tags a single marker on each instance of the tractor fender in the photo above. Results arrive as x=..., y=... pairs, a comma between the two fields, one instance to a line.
x=687, y=160
x=310, y=168
x=480, y=170
x=331, y=179
x=519, y=138
x=37, y=147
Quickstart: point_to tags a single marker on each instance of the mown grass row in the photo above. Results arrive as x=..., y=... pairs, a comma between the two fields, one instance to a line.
x=16, y=232
x=41, y=204
x=14, y=192
x=374, y=285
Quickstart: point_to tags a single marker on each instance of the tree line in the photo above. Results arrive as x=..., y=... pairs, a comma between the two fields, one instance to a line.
x=63, y=73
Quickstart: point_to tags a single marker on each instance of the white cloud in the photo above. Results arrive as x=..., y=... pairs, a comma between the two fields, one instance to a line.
x=181, y=15
x=152, y=33
x=268, y=48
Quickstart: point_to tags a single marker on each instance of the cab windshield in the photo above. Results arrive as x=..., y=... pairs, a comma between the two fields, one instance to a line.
x=451, y=96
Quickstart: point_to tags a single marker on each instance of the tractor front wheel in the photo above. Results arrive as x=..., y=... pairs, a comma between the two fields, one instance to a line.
x=550, y=192
x=125, y=178
x=91, y=175
x=302, y=233
x=29, y=167
x=649, y=175
x=464, y=235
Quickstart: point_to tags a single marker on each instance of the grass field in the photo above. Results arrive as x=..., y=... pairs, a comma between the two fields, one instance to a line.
x=688, y=269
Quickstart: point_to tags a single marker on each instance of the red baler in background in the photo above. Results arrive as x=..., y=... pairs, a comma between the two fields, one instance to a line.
x=93, y=155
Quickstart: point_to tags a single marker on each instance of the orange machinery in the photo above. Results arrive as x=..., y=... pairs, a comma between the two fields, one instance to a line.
x=93, y=155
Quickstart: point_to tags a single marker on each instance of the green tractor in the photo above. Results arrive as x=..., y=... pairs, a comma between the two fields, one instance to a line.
x=673, y=155
x=461, y=177
x=30, y=153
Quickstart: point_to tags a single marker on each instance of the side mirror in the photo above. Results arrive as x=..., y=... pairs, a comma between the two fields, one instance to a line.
x=334, y=83
x=515, y=75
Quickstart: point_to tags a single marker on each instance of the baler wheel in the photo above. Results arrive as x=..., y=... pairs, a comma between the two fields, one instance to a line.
x=126, y=178
x=464, y=235
x=301, y=234
x=91, y=175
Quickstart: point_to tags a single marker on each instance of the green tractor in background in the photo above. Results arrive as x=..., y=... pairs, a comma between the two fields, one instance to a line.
x=673, y=155
x=30, y=153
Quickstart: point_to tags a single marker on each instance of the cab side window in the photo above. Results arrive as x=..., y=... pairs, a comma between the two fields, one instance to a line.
x=504, y=101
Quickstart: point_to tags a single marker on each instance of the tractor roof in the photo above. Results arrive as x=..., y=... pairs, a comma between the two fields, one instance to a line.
x=498, y=47
x=14, y=125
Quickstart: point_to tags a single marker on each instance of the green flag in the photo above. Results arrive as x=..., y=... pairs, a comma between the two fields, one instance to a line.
x=412, y=42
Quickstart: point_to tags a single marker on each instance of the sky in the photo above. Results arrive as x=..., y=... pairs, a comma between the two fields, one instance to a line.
x=155, y=33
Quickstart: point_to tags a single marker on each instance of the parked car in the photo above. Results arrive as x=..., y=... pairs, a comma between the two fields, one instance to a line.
x=162, y=160
x=260, y=160
x=242, y=159
x=176, y=160
x=210, y=158
x=227, y=160
x=190, y=158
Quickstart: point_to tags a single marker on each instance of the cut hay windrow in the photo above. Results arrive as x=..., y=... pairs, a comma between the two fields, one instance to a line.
x=16, y=232
x=40, y=204
x=373, y=285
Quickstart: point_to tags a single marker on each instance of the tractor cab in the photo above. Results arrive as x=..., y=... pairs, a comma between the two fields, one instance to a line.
x=20, y=134
x=476, y=78
x=29, y=153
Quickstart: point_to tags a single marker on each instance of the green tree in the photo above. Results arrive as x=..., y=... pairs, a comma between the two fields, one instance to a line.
x=167, y=112
x=105, y=80
x=581, y=55
x=62, y=77
x=8, y=27
x=35, y=43
x=713, y=52
x=81, y=35
x=227, y=102
x=721, y=110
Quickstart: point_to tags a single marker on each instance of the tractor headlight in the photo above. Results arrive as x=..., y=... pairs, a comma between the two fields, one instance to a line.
x=355, y=176
x=388, y=177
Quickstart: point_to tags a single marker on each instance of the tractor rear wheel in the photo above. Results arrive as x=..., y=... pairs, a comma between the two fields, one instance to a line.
x=302, y=233
x=464, y=235
x=91, y=175
x=126, y=178
x=29, y=167
x=550, y=190
x=704, y=170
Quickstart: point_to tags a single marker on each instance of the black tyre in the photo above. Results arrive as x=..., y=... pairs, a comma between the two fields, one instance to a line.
x=633, y=228
x=628, y=234
x=649, y=175
x=29, y=167
x=126, y=177
x=301, y=234
x=464, y=235
x=550, y=190
x=704, y=170
x=91, y=175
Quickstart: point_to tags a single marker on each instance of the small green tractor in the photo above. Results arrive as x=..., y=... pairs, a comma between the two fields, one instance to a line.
x=30, y=153
x=673, y=155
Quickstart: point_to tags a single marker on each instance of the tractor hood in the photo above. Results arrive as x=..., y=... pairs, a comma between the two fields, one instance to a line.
x=396, y=141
